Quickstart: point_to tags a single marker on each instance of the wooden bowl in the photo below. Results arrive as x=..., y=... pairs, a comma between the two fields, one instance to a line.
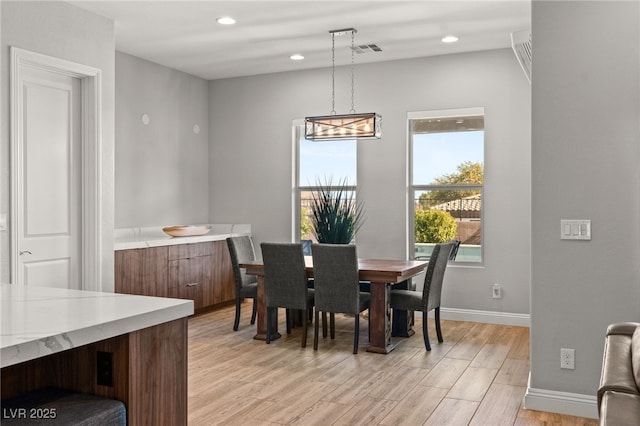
x=186, y=230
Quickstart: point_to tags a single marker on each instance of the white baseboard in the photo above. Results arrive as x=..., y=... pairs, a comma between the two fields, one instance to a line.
x=572, y=404
x=490, y=317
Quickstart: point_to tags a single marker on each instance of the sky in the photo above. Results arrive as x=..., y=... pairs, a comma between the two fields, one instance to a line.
x=434, y=155
x=331, y=159
x=437, y=154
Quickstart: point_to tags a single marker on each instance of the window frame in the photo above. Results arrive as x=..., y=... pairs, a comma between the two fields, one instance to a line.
x=413, y=188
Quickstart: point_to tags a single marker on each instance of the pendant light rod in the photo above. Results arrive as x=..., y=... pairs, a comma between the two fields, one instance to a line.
x=353, y=49
x=335, y=33
x=333, y=74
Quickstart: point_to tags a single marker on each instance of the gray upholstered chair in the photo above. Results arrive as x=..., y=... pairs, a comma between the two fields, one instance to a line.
x=285, y=283
x=454, y=249
x=241, y=250
x=337, y=287
x=429, y=297
x=402, y=317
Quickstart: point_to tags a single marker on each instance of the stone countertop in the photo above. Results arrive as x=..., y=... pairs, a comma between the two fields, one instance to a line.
x=39, y=321
x=135, y=238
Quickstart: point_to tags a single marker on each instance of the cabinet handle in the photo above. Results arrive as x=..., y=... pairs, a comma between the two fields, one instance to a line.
x=192, y=284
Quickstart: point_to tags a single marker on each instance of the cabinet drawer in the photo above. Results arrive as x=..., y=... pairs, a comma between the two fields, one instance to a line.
x=186, y=280
x=185, y=251
x=192, y=291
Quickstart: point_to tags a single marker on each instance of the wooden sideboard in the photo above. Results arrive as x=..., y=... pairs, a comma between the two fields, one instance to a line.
x=199, y=271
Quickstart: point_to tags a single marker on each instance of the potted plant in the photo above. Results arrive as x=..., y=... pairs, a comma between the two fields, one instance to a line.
x=335, y=215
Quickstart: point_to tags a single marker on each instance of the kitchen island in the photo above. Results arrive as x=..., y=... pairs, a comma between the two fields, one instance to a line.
x=125, y=347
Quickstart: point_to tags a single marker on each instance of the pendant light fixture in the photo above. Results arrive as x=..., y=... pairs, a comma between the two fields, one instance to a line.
x=343, y=126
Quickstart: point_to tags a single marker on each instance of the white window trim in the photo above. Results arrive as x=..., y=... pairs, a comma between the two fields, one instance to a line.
x=296, y=128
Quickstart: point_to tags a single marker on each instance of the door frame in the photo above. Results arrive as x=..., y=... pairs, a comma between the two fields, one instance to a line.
x=91, y=158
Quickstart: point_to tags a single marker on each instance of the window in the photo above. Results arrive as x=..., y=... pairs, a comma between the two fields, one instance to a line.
x=318, y=163
x=447, y=181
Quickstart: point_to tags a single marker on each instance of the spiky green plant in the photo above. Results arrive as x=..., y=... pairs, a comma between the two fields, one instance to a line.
x=335, y=215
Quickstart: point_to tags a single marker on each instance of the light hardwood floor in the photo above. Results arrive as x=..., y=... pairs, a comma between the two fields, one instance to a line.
x=478, y=376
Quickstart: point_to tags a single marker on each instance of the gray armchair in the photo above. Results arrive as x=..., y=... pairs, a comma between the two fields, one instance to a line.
x=429, y=298
x=337, y=287
x=241, y=250
x=285, y=283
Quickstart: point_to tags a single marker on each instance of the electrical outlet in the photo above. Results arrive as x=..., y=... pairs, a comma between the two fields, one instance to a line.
x=567, y=358
x=496, y=291
x=105, y=368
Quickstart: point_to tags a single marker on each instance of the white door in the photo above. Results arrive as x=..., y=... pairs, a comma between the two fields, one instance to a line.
x=48, y=215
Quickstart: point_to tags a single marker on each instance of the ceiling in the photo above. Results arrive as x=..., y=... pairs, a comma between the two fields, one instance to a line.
x=184, y=35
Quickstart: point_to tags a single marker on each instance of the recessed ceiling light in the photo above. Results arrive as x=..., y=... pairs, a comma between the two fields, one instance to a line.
x=226, y=20
x=449, y=39
x=296, y=57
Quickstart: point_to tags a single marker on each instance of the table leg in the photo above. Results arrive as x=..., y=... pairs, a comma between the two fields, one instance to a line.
x=380, y=319
x=261, y=314
x=402, y=322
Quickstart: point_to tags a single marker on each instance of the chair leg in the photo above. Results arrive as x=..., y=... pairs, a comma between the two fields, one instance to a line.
x=305, y=321
x=268, y=339
x=438, y=329
x=315, y=331
x=324, y=324
x=254, y=310
x=236, y=322
x=332, y=324
x=356, y=334
x=425, y=332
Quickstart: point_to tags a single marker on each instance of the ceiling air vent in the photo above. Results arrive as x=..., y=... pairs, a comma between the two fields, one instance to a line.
x=366, y=48
x=521, y=44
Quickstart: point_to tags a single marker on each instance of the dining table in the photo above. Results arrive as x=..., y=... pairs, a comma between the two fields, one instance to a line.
x=381, y=273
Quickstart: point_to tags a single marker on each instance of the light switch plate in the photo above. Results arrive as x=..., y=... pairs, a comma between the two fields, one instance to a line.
x=575, y=229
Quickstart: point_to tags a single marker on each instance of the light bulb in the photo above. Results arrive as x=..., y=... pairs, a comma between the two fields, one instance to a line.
x=226, y=20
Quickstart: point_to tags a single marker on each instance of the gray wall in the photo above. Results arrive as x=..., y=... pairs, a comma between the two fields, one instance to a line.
x=162, y=169
x=64, y=31
x=251, y=158
x=585, y=151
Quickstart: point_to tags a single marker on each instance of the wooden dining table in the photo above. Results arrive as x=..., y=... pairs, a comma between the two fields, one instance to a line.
x=382, y=273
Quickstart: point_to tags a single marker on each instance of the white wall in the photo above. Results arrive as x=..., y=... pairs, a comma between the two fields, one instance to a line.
x=64, y=31
x=162, y=169
x=251, y=158
x=585, y=152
